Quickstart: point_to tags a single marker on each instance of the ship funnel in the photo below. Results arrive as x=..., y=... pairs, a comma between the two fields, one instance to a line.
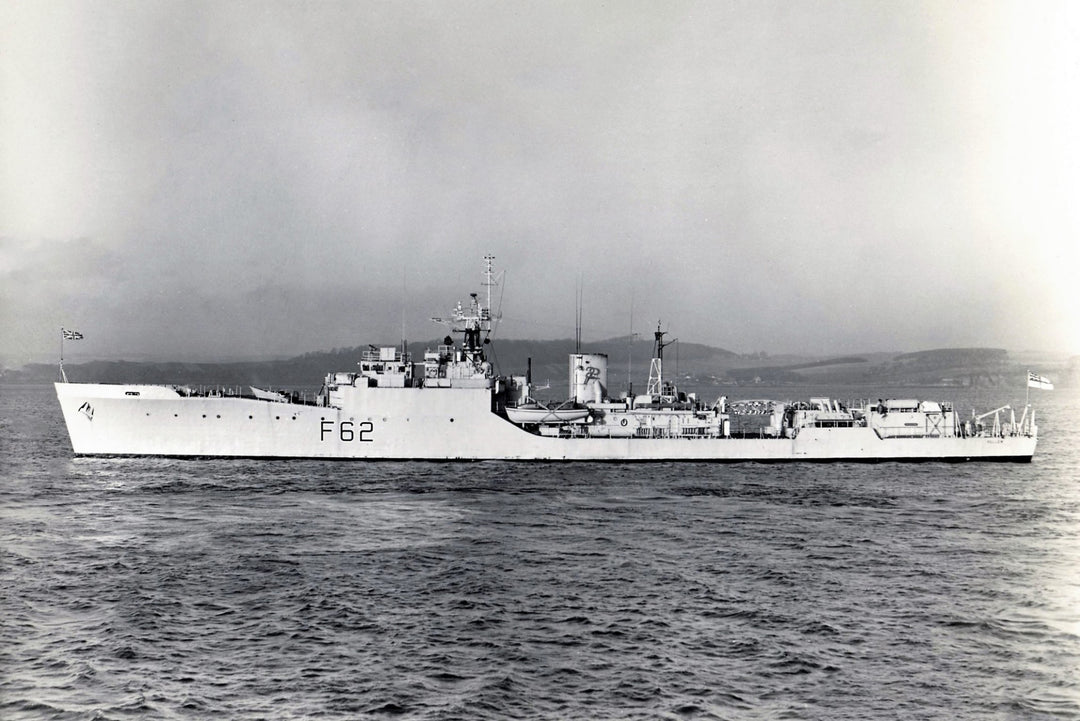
x=588, y=377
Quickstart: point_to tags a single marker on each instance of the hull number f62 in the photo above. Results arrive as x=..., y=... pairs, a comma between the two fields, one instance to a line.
x=346, y=431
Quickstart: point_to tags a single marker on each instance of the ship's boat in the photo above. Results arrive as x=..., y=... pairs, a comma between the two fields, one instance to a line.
x=272, y=396
x=453, y=405
x=537, y=412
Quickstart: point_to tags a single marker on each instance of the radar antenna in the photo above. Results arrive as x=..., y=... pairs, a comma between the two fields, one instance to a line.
x=474, y=320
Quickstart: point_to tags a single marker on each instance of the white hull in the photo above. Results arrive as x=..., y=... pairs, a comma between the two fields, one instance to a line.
x=442, y=424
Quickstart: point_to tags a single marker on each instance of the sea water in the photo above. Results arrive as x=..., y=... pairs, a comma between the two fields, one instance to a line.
x=242, y=589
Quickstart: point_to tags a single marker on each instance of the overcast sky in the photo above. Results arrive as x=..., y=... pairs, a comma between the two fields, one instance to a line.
x=250, y=179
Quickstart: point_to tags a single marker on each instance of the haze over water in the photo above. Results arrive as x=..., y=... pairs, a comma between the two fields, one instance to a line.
x=155, y=588
x=263, y=179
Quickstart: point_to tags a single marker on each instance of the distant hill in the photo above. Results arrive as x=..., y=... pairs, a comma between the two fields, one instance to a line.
x=951, y=357
x=938, y=367
x=790, y=373
x=951, y=366
x=693, y=364
x=303, y=370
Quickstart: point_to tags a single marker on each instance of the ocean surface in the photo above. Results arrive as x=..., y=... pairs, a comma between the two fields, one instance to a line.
x=138, y=588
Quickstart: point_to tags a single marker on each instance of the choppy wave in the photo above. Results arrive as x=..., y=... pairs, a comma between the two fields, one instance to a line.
x=145, y=588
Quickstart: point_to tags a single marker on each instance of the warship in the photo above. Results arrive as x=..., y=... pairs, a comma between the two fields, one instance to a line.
x=453, y=405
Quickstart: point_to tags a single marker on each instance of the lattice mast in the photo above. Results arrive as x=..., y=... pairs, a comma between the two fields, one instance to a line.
x=656, y=368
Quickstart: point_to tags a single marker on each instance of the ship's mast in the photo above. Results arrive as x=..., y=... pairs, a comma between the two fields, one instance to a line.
x=476, y=320
x=578, y=297
x=630, y=352
x=489, y=282
x=656, y=368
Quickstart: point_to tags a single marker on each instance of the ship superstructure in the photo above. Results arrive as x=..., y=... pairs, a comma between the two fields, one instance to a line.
x=453, y=405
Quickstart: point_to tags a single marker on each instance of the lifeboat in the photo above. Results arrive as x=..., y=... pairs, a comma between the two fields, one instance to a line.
x=536, y=412
x=272, y=396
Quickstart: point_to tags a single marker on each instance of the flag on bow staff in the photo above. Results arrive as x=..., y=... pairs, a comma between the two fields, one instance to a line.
x=66, y=334
x=1037, y=381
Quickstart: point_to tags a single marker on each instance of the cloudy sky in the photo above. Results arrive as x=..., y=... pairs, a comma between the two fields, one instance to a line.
x=247, y=179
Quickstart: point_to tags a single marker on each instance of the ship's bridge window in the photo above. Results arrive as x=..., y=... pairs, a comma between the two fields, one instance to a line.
x=131, y=393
